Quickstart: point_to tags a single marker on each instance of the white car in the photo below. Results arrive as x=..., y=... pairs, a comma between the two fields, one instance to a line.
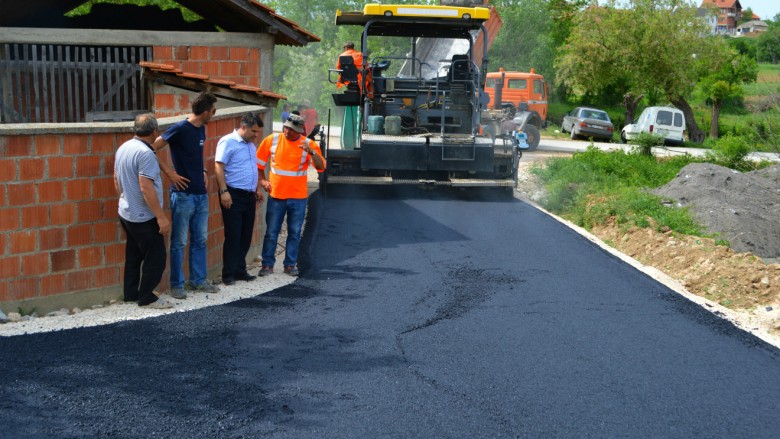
x=665, y=122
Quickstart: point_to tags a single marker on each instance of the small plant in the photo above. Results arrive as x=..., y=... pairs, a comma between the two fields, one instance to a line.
x=645, y=142
x=730, y=151
x=25, y=312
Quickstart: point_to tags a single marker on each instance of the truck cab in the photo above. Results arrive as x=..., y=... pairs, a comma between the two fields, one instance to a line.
x=518, y=88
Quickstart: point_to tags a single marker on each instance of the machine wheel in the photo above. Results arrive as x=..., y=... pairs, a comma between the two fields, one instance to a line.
x=573, y=136
x=533, y=137
x=623, y=137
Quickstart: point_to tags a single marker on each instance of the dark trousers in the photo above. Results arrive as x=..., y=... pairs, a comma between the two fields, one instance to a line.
x=239, y=223
x=144, y=260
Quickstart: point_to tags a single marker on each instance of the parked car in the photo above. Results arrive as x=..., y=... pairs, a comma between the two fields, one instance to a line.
x=666, y=122
x=588, y=122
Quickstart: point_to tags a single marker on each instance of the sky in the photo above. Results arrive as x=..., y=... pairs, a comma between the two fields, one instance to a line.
x=766, y=9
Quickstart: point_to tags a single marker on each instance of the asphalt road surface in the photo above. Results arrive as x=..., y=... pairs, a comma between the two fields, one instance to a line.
x=418, y=316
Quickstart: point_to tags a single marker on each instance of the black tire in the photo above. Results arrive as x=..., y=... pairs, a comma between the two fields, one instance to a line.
x=533, y=137
x=573, y=135
x=623, y=137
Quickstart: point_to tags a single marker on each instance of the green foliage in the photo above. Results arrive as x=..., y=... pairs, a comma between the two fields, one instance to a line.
x=645, y=142
x=86, y=7
x=745, y=46
x=730, y=151
x=596, y=185
x=768, y=45
x=26, y=312
x=525, y=40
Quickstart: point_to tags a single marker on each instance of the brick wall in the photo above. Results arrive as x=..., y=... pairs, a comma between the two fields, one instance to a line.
x=238, y=64
x=59, y=232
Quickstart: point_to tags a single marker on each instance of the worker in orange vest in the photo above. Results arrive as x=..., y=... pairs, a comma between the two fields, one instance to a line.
x=357, y=57
x=288, y=155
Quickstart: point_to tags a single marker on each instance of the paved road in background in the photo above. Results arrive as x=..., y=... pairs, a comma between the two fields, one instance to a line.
x=562, y=145
x=419, y=315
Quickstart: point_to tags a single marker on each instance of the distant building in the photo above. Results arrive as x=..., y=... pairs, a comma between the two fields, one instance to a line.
x=727, y=14
x=751, y=28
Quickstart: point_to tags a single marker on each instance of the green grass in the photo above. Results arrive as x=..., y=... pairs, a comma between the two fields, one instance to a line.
x=595, y=185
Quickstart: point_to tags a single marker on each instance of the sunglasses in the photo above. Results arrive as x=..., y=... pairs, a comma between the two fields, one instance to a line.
x=295, y=122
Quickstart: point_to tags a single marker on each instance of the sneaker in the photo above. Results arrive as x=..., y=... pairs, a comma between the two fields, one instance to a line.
x=265, y=271
x=162, y=302
x=178, y=293
x=205, y=287
x=292, y=271
x=228, y=281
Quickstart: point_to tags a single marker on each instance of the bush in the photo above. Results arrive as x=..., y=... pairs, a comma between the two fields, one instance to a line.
x=645, y=143
x=730, y=151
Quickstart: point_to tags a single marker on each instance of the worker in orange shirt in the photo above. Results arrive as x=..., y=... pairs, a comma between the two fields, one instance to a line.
x=357, y=57
x=288, y=156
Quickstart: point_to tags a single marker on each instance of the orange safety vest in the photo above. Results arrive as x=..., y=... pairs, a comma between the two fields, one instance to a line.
x=289, y=165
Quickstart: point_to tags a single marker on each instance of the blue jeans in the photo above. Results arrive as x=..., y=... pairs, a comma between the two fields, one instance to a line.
x=190, y=217
x=295, y=209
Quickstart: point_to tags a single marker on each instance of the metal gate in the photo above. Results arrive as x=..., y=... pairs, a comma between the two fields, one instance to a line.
x=45, y=83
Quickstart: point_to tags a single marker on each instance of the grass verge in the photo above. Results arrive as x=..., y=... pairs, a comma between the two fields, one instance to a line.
x=594, y=185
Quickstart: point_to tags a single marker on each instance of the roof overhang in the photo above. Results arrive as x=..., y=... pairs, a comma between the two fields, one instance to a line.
x=169, y=75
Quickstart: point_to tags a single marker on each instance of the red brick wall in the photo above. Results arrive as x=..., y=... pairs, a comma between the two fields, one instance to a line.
x=59, y=231
x=238, y=64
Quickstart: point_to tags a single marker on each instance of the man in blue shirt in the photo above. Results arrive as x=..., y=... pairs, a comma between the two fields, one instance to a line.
x=189, y=195
x=235, y=167
x=138, y=184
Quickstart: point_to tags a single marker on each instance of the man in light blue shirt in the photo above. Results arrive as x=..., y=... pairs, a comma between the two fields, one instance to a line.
x=237, y=175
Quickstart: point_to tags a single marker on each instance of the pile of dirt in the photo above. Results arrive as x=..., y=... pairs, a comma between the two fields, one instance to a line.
x=743, y=208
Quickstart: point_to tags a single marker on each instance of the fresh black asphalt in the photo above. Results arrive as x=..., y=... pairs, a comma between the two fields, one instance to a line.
x=417, y=316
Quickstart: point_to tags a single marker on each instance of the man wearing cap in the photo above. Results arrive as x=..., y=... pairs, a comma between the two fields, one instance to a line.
x=288, y=156
x=235, y=167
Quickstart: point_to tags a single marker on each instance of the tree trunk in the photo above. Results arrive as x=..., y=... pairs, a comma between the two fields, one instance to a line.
x=714, y=124
x=631, y=102
x=695, y=134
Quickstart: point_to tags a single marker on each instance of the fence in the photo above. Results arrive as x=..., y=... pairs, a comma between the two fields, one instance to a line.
x=46, y=83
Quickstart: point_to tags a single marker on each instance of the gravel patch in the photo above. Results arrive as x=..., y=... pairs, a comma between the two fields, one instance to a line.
x=121, y=311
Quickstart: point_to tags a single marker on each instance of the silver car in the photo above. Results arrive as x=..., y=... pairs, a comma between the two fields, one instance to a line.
x=589, y=123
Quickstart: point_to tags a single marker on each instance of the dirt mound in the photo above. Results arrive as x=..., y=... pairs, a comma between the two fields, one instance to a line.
x=743, y=208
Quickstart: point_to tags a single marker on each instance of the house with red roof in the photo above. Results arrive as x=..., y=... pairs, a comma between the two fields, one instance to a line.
x=727, y=14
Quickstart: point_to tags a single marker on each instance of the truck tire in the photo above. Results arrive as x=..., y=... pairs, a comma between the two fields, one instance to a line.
x=533, y=137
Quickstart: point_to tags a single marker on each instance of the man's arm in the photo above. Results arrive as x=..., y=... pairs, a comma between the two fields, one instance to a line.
x=150, y=196
x=225, y=199
x=178, y=181
x=117, y=187
x=317, y=160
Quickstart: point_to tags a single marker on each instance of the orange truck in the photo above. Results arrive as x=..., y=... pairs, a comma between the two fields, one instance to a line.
x=518, y=101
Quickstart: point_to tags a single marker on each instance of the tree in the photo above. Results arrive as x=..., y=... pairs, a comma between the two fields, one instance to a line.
x=768, y=45
x=524, y=40
x=643, y=46
x=725, y=82
x=747, y=15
